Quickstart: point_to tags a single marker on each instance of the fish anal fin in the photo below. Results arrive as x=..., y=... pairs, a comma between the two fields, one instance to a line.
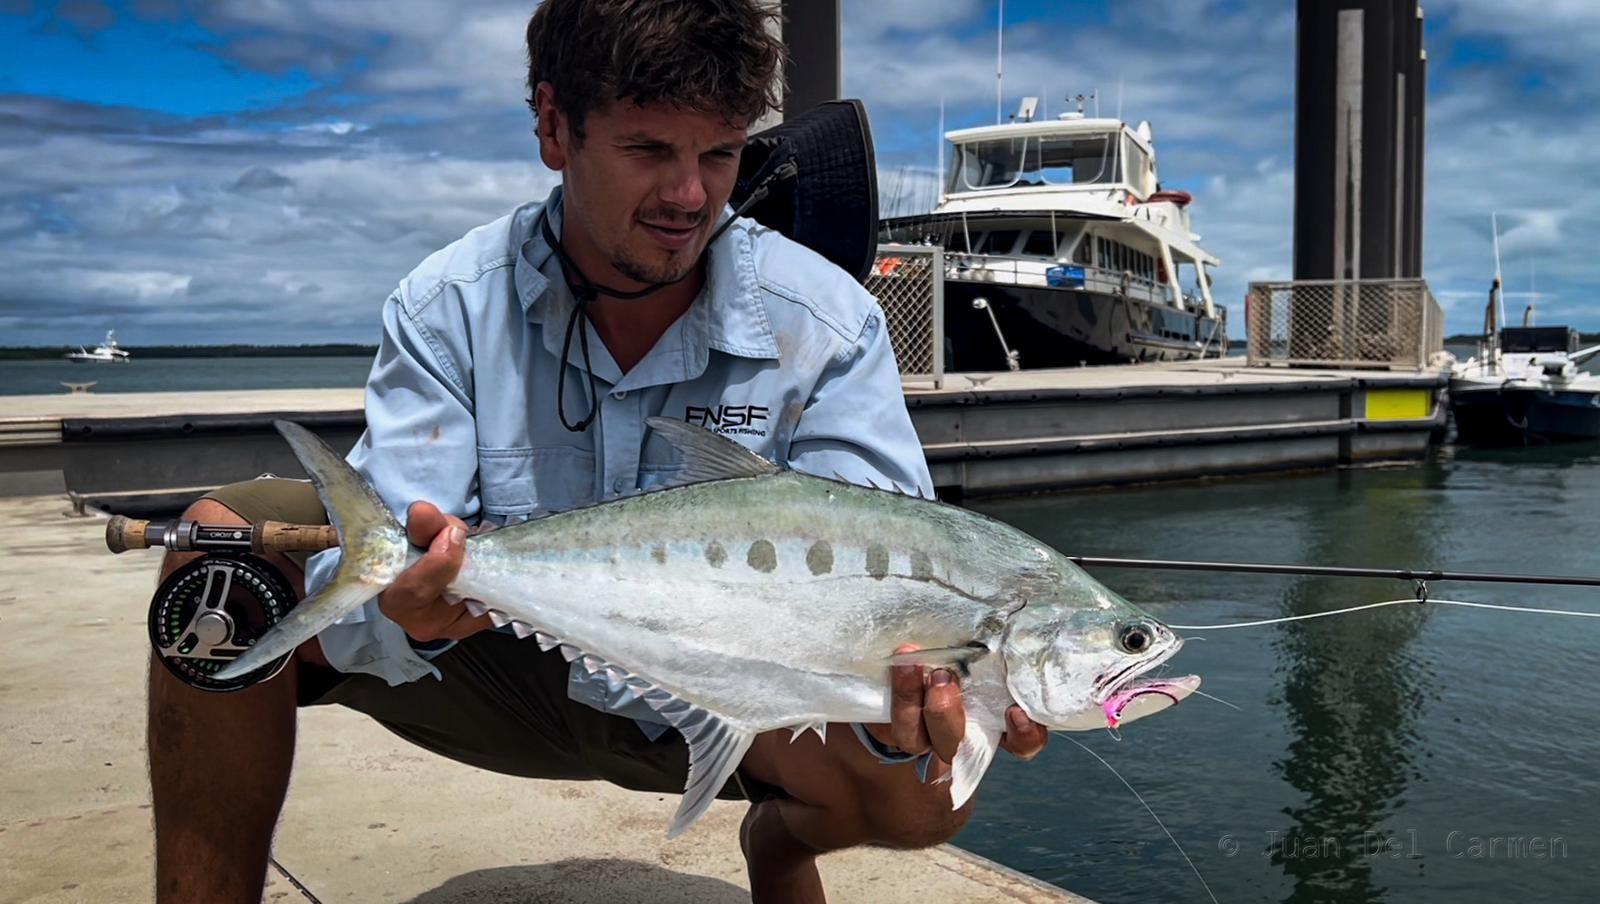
x=708, y=456
x=717, y=745
x=716, y=748
x=819, y=727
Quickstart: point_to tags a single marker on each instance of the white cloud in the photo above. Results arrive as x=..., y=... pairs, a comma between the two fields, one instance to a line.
x=294, y=223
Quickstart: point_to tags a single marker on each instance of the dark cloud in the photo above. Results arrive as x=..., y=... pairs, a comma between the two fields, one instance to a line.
x=316, y=55
x=86, y=15
x=260, y=178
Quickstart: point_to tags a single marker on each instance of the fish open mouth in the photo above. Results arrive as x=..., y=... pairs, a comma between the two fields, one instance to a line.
x=1119, y=692
x=1108, y=686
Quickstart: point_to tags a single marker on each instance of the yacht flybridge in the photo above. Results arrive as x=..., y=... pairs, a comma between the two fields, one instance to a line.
x=1062, y=248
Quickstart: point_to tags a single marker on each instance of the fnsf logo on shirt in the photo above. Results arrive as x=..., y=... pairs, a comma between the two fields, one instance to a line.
x=726, y=419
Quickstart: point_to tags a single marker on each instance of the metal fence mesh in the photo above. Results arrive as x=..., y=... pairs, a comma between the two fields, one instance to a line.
x=1348, y=323
x=908, y=280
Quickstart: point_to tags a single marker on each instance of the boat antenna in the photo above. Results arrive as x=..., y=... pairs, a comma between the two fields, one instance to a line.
x=1120, y=80
x=938, y=156
x=1500, y=304
x=999, y=62
x=1533, y=292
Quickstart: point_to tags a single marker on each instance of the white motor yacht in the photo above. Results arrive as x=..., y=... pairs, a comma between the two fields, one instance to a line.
x=1062, y=248
x=107, y=352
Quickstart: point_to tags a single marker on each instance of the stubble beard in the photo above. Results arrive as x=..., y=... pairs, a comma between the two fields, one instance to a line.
x=650, y=275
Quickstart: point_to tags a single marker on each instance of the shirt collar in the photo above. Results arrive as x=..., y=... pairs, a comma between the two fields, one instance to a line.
x=728, y=315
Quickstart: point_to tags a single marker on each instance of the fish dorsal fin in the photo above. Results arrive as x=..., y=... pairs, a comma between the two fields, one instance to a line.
x=707, y=456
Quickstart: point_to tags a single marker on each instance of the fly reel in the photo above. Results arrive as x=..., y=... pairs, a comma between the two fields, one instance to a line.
x=213, y=609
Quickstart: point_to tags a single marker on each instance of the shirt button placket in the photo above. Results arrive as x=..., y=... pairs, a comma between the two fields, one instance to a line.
x=621, y=456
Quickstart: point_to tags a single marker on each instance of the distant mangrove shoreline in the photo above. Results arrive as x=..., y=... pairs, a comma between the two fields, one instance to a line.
x=139, y=352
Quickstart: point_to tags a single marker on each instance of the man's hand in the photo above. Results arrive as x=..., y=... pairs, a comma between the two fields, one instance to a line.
x=927, y=714
x=415, y=601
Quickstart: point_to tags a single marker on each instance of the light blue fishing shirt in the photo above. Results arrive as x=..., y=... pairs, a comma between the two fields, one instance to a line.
x=781, y=351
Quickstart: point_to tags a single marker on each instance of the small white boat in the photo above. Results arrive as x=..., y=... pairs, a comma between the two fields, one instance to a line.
x=107, y=352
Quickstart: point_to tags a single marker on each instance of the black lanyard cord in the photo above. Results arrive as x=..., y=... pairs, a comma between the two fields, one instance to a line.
x=584, y=292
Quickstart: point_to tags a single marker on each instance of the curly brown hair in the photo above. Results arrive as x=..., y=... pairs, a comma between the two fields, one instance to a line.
x=709, y=56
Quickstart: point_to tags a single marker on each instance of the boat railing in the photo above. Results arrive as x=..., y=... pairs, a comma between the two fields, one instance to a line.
x=1041, y=272
x=908, y=281
x=1386, y=323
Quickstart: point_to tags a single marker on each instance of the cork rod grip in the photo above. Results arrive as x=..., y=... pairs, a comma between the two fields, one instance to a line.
x=124, y=533
x=278, y=536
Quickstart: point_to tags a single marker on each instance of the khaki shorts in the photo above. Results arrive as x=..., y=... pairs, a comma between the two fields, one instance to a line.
x=502, y=704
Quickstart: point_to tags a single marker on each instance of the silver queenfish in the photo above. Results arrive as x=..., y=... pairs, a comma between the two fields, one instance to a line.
x=750, y=599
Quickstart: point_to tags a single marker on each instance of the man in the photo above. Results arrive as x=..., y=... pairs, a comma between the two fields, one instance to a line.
x=514, y=375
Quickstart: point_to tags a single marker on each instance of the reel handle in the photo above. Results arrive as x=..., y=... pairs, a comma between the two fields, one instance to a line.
x=124, y=533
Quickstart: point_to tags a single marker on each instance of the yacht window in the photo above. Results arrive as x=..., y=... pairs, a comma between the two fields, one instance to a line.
x=1140, y=172
x=1041, y=243
x=1025, y=161
x=1001, y=241
x=992, y=164
x=957, y=242
x=1080, y=160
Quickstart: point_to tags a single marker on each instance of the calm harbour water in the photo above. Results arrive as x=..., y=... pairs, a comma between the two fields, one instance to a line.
x=1407, y=754
x=182, y=375
x=1410, y=754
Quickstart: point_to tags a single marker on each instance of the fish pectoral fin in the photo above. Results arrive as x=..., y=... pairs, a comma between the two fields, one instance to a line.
x=939, y=657
x=708, y=456
x=973, y=756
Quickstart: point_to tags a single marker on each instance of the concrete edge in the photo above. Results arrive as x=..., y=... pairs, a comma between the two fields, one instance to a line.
x=1035, y=889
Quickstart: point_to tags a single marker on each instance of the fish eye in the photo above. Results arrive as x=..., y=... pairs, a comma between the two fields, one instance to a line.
x=1135, y=638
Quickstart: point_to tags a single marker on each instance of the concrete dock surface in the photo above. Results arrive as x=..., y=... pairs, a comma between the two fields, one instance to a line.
x=1210, y=372
x=368, y=818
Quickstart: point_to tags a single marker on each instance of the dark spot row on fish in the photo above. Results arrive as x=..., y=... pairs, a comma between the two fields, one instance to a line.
x=819, y=558
x=762, y=556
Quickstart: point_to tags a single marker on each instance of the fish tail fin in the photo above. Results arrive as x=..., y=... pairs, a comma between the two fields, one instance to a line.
x=374, y=550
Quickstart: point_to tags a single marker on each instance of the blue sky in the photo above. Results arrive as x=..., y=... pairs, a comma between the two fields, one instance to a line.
x=245, y=171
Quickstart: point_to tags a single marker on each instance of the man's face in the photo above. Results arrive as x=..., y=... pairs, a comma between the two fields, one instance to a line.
x=645, y=186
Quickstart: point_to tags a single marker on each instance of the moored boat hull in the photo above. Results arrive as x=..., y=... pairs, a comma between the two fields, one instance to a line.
x=1513, y=414
x=1058, y=327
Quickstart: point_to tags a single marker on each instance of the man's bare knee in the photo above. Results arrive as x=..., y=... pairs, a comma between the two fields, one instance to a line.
x=918, y=821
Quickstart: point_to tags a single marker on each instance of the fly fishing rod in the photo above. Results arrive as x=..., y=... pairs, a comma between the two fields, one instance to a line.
x=211, y=610
x=123, y=534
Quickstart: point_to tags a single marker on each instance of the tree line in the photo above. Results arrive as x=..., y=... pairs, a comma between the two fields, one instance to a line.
x=329, y=350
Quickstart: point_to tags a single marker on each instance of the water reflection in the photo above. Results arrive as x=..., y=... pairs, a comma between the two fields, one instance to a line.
x=1351, y=694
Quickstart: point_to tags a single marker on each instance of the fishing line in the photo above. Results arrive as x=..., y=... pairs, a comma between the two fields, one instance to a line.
x=1200, y=693
x=1349, y=609
x=1399, y=574
x=1139, y=797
